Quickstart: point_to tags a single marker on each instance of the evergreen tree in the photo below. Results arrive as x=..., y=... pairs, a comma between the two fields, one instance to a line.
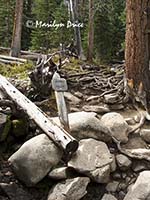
x=109, y=29
x=7, y=8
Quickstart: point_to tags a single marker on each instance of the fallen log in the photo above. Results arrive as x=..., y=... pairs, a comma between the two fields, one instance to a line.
x=10, y=58
x=3, y=61
x=51, y=129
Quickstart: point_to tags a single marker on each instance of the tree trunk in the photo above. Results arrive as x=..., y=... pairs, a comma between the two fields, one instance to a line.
x=137, y=50
x=16, y=38
x=91, y=31
x=77, y=33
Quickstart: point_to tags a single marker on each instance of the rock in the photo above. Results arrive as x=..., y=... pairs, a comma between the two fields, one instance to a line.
x=123, y=162
x=97, y=109
x=113, y=165
x=116, y=106
x=92, y=159
x=121, y=194
x=135, y=142
x=139, y=166
x=85, y=125
x=115, y=125
x=100, y=175
x=35, y=159
x=112, y=186
x=71, y=189
x=141, y=189
x=108, y=197
x=5, y=125
x=19, y=127
x=111, y=98
x=145, y=134
x=59, y=173
x=14, y=192
x=70, y=97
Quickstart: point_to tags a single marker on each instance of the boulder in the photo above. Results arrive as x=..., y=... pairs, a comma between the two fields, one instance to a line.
x=71, y=189
x=115, y=125
x=123, y=162
x=141, y=189
x=85, y=125
x=35, y=159
x=92, y=159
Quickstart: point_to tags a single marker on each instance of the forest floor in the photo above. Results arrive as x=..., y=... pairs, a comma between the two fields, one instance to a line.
x=101, y=90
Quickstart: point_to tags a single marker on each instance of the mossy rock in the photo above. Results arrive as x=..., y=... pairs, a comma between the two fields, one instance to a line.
x=19, y=127
x=5, y=129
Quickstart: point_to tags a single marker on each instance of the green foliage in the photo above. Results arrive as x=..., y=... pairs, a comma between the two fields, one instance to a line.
x=21, y=71
x=6, y=21
x=109, y=29
x=109, y=25
x=49, y=37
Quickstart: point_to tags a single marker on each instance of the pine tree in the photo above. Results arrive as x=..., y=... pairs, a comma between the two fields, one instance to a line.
x=6, y=21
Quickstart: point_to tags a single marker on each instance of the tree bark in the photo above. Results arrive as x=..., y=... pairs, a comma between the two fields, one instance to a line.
x=16, y=38
x=137, y=51
x=77, y=33
x=91, y=31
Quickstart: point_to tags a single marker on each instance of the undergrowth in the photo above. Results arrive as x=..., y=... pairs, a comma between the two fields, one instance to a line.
x=21, y=71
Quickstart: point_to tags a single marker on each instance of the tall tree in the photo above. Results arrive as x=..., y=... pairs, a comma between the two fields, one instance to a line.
x=91, y=31
x=137, y=50
x=16, y=38
x=75, y=19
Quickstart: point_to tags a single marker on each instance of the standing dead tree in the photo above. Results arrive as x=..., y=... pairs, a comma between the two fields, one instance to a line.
x=74, y=17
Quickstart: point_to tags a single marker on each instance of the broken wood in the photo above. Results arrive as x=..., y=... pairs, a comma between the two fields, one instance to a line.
x=51, y=129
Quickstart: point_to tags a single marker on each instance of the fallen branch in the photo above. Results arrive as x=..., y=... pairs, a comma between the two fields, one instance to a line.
x=51, y=129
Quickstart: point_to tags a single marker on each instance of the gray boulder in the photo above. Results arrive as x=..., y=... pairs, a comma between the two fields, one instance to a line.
x=85, y=125
x=34, y=159
x=92, y=159
x=115, y=125
x=71, y=189
x=141, y=189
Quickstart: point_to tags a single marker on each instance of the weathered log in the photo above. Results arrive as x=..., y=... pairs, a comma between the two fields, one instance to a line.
x=3, y=61
x=56, y=133
x=13, y=58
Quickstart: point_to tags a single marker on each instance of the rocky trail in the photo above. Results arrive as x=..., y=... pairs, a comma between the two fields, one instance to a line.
x=113, y=158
